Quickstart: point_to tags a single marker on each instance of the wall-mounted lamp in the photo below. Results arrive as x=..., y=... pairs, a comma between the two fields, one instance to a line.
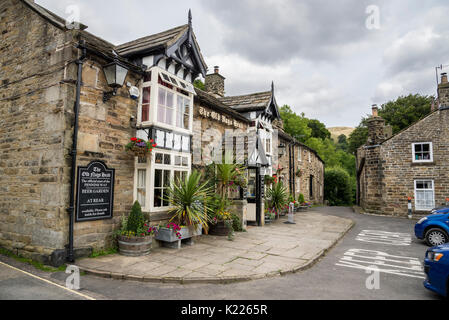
x=115, y=74
x=281, y=149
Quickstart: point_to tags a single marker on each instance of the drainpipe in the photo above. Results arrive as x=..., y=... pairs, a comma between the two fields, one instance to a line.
x=71, y=208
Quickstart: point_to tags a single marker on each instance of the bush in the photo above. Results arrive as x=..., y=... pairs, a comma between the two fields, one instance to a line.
x=135, y=220
x=236, y=223
x=301, y=199
x=337, y=187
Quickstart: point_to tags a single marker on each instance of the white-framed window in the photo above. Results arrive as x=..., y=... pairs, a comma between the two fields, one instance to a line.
x=298, y=185
x=165, y=100
x=141, y=186
x=310, y=159
x=152, y=178
x=268, y=146
x=299, y=154
x=424, y=195
x=422, y=152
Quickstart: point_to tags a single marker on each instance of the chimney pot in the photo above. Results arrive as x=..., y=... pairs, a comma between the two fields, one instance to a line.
x=375, y=110
x=444, y=77
x=216, y=69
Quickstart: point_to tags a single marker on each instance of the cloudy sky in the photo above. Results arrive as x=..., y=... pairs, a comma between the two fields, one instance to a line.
x=321, y=55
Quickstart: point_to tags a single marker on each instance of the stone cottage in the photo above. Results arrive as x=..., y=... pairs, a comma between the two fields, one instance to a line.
x=411, y=164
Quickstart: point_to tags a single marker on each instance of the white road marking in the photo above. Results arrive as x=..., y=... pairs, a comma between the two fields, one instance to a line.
x=392, y=264
x=47, y=281
x=384, y=237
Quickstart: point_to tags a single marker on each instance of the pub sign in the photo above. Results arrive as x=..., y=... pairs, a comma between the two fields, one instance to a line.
x=95, y=192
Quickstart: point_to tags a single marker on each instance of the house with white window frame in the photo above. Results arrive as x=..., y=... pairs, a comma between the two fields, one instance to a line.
x=413, y=163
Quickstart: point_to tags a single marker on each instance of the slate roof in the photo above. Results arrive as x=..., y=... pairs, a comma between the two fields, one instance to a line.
x=50, y=16
x=250, y=102
x=159, y=40
x=217, y=105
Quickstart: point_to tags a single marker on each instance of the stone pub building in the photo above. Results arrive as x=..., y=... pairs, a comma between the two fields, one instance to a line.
x=71, y=101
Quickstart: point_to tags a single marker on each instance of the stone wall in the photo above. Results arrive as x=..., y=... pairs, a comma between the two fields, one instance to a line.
x=314, y=167
x=387, y=179
x=35, y=104
x=104, y=130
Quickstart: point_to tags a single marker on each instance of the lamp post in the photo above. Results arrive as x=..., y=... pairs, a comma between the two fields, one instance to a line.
x=115, y=74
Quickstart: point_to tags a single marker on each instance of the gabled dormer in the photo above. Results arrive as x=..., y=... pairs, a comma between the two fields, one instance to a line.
x=175, y=50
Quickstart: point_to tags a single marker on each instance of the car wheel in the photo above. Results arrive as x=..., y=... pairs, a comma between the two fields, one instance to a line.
x=435, y=237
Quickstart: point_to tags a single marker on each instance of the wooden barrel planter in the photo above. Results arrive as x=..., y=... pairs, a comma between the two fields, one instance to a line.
x=219, y=229
x=134, y=246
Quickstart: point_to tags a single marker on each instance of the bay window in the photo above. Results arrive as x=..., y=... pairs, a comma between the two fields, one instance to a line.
x=165, y=106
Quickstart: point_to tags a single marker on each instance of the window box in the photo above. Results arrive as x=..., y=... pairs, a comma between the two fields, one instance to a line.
x=169, y=238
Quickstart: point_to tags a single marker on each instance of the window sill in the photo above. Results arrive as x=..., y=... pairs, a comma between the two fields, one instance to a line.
x=423, y=163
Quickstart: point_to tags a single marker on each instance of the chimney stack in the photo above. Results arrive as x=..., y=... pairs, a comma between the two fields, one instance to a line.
x=375, y=110
x=376, y=125
x=443, y=91
x=214, y=83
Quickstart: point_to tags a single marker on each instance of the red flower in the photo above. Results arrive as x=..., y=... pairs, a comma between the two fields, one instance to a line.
x=133, y=139
x=154, y=145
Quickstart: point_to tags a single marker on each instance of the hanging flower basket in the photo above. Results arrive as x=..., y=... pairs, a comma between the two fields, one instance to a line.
x=298, y=172
x=140, y=148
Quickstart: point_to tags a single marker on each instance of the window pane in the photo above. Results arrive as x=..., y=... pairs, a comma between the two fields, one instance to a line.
x=147, y=77
x=158, y=158
x=185, y=161
x=146, y=95
x=157, y=198
x=169, y=99
x=177, y=176
x=177, y=142
x=418, y=148
x=145, y=112
x=167, y=159
x=177, y=160
x=168, y=116
x=166, y=178
x=169, y=140
x=157, y=178
x=426, y=147
x=161, y=113
x=160, y=137
x=185, y=143
x=184, y=175
x=162, y=94
x=165, y=202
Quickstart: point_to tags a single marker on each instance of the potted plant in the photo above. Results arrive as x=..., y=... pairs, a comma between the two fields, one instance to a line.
x=139, y=147
x=189, y=199
x=221, y=219
x=298, y=172
x=302, y=204
x=278, y=197
x=135, y=236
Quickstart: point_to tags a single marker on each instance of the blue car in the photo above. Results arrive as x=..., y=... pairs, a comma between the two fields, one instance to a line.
x=436, y=267
x=434, y=229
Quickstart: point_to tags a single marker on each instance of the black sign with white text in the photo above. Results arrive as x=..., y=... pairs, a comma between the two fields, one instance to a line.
x=95, y=192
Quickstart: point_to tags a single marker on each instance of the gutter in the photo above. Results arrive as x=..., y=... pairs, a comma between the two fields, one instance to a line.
x=71, y=208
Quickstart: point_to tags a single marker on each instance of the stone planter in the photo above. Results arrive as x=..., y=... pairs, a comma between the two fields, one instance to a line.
x=134, y=246
x=169, y=239
x=220, y=229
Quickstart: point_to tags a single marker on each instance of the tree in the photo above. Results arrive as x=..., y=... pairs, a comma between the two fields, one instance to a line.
x=294, y=125
x=358, y=137
x=405, y=110
x=319, y=129
x=199, y=84
x=342, y=143
x=337, y=187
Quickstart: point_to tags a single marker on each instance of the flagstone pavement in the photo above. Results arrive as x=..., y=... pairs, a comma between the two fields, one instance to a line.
x=272, y=250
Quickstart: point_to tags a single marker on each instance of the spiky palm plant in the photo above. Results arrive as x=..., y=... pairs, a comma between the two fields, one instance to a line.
x=278, y=196
x=190, y=201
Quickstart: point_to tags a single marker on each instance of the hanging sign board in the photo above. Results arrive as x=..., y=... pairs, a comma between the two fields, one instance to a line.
x=95, y=192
